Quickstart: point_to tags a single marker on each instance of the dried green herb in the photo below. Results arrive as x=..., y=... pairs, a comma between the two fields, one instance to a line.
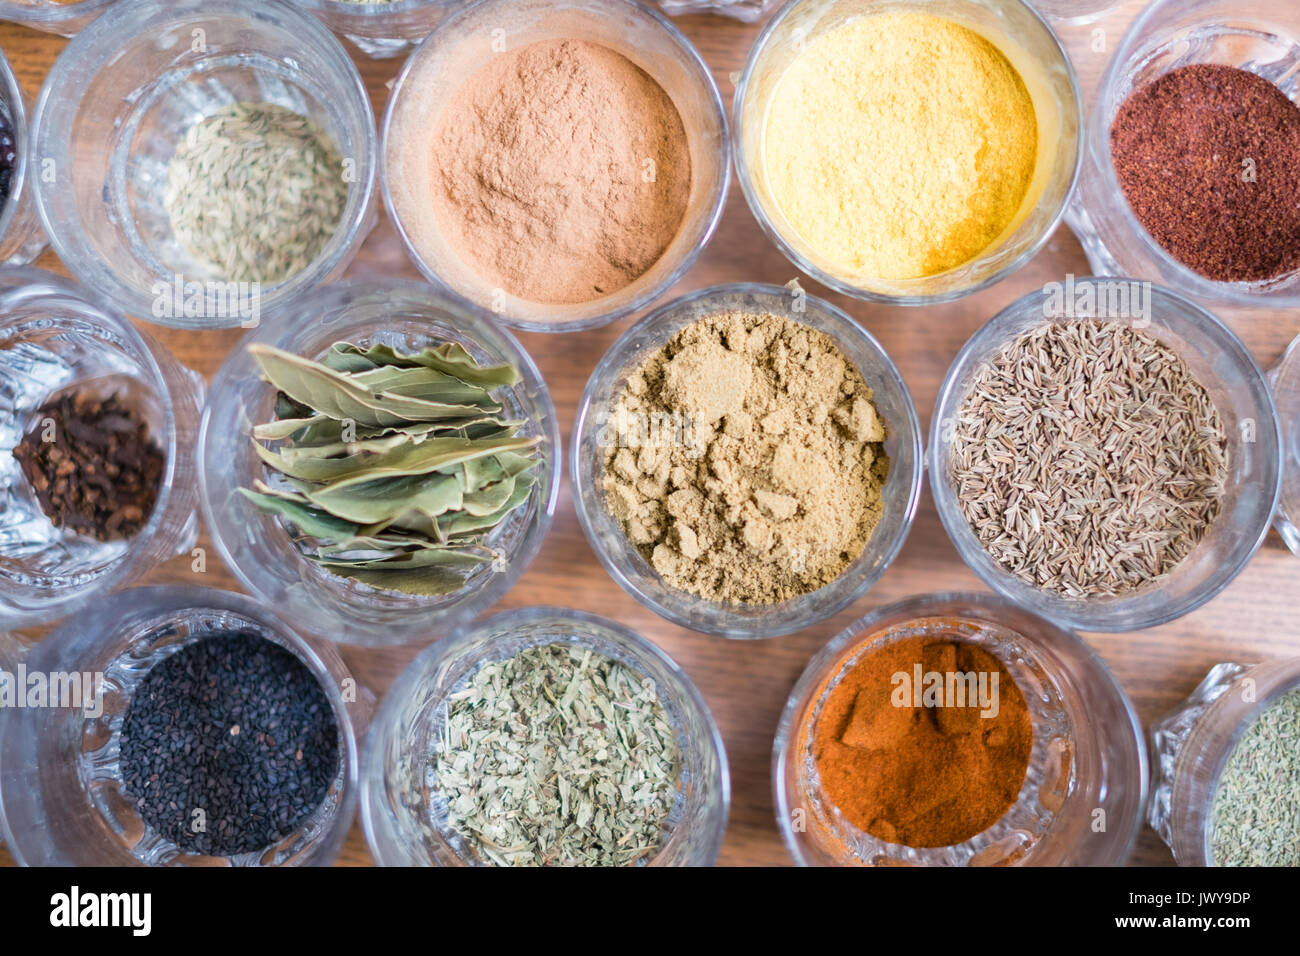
x=557, y=756
x=1255, y=818
x=392, y=469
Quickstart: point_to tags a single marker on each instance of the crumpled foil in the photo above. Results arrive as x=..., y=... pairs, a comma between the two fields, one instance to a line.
x=747, y=10
x=1170, y=734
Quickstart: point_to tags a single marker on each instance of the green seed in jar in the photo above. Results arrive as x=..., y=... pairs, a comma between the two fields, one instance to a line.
x=1255, y=816
x=255, y=191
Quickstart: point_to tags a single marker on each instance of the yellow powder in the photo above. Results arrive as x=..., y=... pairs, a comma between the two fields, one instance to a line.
x=899, y=145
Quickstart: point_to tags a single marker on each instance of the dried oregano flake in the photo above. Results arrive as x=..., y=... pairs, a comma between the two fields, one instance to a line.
x=557, y=756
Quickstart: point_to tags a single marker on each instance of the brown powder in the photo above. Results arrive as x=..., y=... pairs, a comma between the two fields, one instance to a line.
x=744, y=460
x=565, y=172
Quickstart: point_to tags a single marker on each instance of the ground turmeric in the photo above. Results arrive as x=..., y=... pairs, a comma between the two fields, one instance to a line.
x=899, y=145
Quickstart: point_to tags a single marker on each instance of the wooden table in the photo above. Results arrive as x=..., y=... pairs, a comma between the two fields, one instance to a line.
x=746, y=683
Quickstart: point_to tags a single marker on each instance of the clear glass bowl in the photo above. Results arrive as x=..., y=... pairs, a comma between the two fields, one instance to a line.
x=21, y=236
x=404, y=824
x=1032, y=47
x=619, y=555
x=1285, y=379
x=56, y=336
x=1224, y=366
x=108, y=120
x=457, y=48
x=53, y=17
x=1088, y=753
x=1255, y=35
x=1191, y=745
x=406, y=315
x=381, y=30
x=60, y=783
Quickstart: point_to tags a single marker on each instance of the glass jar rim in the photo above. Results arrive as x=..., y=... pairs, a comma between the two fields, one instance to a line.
x=746, y=176
x=976, y=557
x=715, y=206
x=719, y=622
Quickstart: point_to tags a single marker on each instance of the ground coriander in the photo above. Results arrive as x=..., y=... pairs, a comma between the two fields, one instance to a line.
x=745, y=459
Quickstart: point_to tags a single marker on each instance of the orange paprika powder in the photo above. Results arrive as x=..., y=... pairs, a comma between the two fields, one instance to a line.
x=931, y=775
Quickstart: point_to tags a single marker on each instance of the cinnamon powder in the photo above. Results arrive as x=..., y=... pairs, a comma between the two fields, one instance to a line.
x=565, y=172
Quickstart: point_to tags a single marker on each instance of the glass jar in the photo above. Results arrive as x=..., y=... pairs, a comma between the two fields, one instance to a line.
x=1191, y=746
x=381, y=30
x=1036, y=53
x=1085, y=790
x=1285, y=379
x=745, y=10
x=408, y=316
x=620, y=556
x=1074, y=11
x=436, y=72
x=52, y=16
x=61, y=785
x=1255, y=35
x=405, y=817
x=57, y=337
x=21, y=236
x=1220, y=362
x=109, y=117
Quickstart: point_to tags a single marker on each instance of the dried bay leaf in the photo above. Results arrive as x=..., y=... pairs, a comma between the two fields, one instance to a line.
x=370, y=503
x=450, y=357
x=428, y=384
x=464, y=523
x=310, y=521
x=398, y=465
x=337, y=396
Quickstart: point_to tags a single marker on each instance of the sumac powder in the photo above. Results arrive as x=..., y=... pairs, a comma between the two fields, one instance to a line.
x=92, y=465
x=228, y=745
x=1208, y=157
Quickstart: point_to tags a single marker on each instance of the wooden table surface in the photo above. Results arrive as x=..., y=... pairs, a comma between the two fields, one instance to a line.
x=746, y=683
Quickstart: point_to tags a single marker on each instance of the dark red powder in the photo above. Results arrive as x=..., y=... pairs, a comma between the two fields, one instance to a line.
x=1208, y=157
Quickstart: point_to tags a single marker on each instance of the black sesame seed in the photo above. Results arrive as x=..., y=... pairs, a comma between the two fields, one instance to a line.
x=178, y=754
